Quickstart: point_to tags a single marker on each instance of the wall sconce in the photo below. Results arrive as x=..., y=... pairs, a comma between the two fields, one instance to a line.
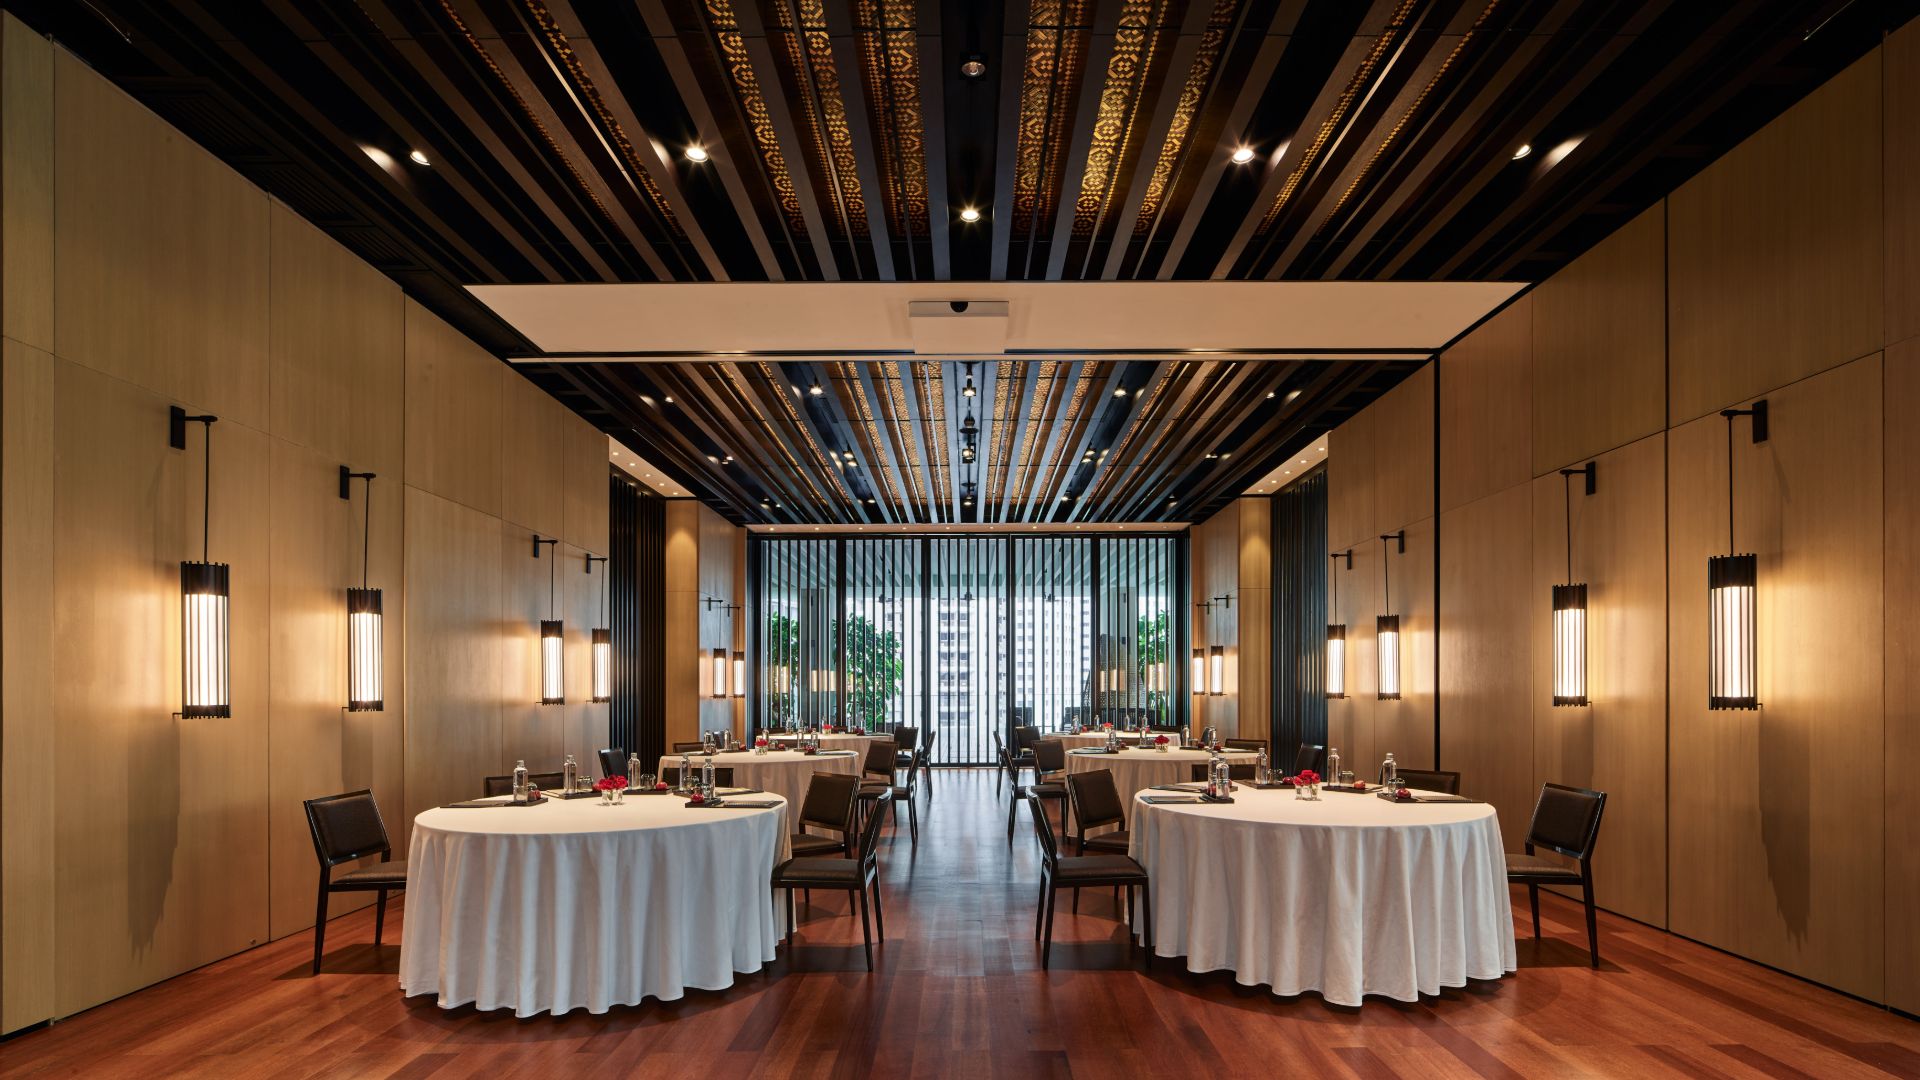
x=719, y=663
x=602, y=638
x=1387, y=626
x=365, y=671
x=739, y=673
x=1197, y=676
x=1732, y=580
x=1570, y=613
x=552, y=640
x=1217, y=671
x=1337, y=638
x=206, y=685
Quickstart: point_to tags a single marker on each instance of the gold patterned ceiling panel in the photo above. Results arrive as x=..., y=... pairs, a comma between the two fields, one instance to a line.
x=884, y=31
x=1058, y=32
x=746, y=87
x=821, y=111
x=1147, y=28
x=1206, y=57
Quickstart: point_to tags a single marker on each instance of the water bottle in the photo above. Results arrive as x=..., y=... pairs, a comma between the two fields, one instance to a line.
x=1389, y=773
x=1262, y=769
x=519, y=781
x=1220, y=778
x=1210, y=738
x=569, y=775
x=1333, y=765
x=706, y=778
x=633, y=769
x=1113, y=741
x=686, y=772
x=706, y=742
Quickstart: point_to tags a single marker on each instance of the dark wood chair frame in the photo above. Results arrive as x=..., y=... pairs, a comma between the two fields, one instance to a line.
x=382, y=884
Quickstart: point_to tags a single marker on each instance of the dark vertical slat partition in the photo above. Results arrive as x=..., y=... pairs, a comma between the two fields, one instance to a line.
x=1300, y=566
x=636, y=568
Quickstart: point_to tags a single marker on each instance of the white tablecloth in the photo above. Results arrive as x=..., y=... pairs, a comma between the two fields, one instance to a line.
x=1100, y=738
x=834, y=742
x=574, y=905
x=1137, y=770
x=1348, y=896
x=782, y=772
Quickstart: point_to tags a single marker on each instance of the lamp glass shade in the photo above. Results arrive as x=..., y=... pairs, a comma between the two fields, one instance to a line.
x=739, y=674
x=602, y=664
x=365, y=678
x=552, y=682
x=719, y=663
x=1569, y=644
x=1732, y=681
x=1217, y=670
x=1388, y=649
x=1337, y=660
x=205, y=680
x=1197, y=678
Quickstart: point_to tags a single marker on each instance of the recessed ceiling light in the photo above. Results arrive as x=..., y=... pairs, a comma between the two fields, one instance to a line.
x=1119, y=391
x=968, y=390
x=696, y=153
x=973, y=66
x=1524, y=150
x=816, y=390
x=1270, y=395
x=969, y=214
x=667, y=400
x=1242, y=155
x=418, y=157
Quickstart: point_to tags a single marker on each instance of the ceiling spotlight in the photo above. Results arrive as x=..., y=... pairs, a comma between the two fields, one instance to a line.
x=968, y=390
x=973, y=66
x=815, y=390
x=1212, y=456
x=969, y=214
x=697, y=153
x=418, y=158
x=1291, y=394
x=1242, y=155
x=1524, y=150
x=1119, y=391
x=667, y=400
x=1270, y=395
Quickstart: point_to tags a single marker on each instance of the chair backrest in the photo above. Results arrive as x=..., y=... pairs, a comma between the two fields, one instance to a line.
x=1245, y=744
x=1049, y=755
x=870, y=835
x=1024, y=737
x=688, y=747
x=503, y=785
x=613, y=762
x=829, y=801
x=1310, y=756
x=1567, y=820
x=906, y=738
x=1042, y=828
x=880, y=758
x=1095, y=799
x=1431, y=780
x=722, y=775
x=347, y=827
x=1236, y=770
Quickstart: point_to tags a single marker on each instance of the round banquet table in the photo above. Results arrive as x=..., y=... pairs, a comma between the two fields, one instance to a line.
x=1137, y=770
x=833, y=742
x=569, y=904
x=1349, y=896
x=1099, y=738
x=780, y=772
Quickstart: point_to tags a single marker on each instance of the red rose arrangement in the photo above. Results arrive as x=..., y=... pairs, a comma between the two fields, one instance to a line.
x=1160, y=740
x=610, y=783
x=1307, y=776
x=760, y=740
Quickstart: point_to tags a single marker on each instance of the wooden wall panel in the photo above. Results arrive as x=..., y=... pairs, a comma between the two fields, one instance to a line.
x=334, y=356
x=1775, y=251
x=584, y=472
x=1902, y=182
x=532, y=425
x=27, y=695
x=681, y=558
x=1600, y=347
x=160, y=271
x=457, y=649
x=1770, y=857
x=1350, y=480
x=26, y=185
x=1250, y=667
x=1403, y=450
x=174, y=874
x=454, y=415
x=1485, y=595
x=1405, y=727
x=1616, y=744
x=1486, y=408
x=1903, y=676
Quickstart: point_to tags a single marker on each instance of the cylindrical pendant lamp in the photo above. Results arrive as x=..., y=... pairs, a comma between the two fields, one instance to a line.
x=718, y=662
x=1732, y=602
x=553, y=686
x=206, y=681
x=602, y=664
x=1570, y=611
x=1387, y=626
x=1197, y=677
x=1337, y=636
x=739, y=673
x=1217, y=670
x=365, y=669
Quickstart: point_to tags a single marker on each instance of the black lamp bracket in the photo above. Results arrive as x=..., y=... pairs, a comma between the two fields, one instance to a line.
x=1399, y=538
x=591, y=559
x=1347, y=555
x=177, y=421
x=1587, y=471
x=347, y=477
x=1759, y=414
x=712, y=602
x=538, y=541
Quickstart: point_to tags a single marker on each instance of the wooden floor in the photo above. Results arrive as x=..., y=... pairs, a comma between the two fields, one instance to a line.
x=959, y=992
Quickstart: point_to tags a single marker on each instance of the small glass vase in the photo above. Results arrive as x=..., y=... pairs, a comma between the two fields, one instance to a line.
x=1160, y=748
x=612, y=796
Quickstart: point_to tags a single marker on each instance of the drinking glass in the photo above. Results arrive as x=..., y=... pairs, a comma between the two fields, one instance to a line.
x=643, y=782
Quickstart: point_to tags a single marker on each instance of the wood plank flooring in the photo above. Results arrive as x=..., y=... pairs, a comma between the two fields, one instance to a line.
x=959, y=992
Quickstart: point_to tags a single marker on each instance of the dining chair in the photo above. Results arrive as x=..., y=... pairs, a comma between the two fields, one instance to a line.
x=1566, y=821
x=1095, y=800
x=722, y=775
x=876, y=772
x=1246, y=744
x=1236, y=770
x=926, y=761
x=1059, y=871
x=859, y=875
x=345, y=828
x=1431, y=780
x=1310, y=756
x=906, y=741
x=613, y=762
x=828, y=804
x=689, y=747
x=495, y=786
x=1049, y=758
